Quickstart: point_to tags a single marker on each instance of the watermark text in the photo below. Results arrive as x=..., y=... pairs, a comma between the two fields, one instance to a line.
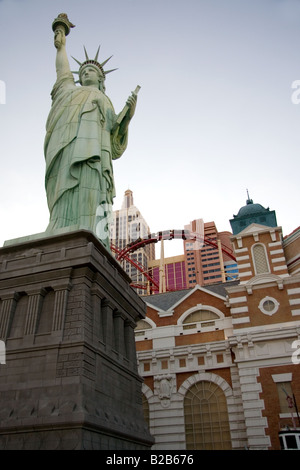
x=296, y=353
x=2, y=352
x=2, y=92
x=134, y=230
x=296, y=94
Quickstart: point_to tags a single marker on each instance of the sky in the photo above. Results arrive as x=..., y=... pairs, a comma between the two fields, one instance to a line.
x=217, y=113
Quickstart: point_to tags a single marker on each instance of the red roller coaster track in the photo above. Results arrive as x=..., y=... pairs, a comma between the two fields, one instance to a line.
x=139, y=267
x=124, y=254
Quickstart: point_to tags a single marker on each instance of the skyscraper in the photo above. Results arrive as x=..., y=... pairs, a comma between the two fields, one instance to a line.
x=129, y=226
x=206, y=264
x=207, y=259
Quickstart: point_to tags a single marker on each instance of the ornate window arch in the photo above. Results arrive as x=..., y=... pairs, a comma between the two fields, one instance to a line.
x=143, y=325
x=205, y=412
x=260, y=259
x=204, y=315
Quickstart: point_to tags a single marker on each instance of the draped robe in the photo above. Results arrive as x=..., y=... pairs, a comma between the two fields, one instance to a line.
x=79, y=149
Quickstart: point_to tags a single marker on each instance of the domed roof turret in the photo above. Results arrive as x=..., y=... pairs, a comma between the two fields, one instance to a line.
x=252, y=213
x=250, y=208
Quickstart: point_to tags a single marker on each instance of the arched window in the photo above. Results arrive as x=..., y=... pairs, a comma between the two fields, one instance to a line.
x=206, y=418
x=203, y=317
x=260, y=260
x=141, y=326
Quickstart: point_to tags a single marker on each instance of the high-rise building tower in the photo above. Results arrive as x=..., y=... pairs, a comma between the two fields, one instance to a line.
x=207, y=259
x=210, y=262
x=129, y=226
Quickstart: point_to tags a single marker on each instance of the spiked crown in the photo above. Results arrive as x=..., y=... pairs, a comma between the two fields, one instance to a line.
x=94, y=62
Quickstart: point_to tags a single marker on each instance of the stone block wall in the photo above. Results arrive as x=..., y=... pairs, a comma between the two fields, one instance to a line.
x=67, y=319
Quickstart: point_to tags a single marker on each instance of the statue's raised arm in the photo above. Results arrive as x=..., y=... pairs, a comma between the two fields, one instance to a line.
x=61, y=27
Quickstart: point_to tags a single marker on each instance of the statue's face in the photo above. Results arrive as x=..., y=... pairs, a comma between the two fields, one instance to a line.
x=90, y=77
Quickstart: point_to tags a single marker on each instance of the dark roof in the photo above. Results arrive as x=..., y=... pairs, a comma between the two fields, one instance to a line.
x=220, y=288
x=166, y=300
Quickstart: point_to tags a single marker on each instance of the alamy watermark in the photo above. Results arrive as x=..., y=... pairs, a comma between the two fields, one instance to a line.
x=193, y=233
x=296, y=353
x=104, y=219
x=296, y=94
x=2, y=352
x=2, y=92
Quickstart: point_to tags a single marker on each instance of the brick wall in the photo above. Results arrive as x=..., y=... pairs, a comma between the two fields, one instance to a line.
x=270, y=396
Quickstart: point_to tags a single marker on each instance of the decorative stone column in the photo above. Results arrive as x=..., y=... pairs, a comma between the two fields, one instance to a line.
x=97, y=299
x=107, y=312
x=60, y=304
x=9, y=303
x=130, y=342
x=35, y=298
x=119, y=333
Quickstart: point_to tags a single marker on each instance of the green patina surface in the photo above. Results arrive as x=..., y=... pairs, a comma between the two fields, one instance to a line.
x=83, y=136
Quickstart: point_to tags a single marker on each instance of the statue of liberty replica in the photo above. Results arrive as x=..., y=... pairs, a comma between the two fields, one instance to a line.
x=83, y=136
x=67, y=311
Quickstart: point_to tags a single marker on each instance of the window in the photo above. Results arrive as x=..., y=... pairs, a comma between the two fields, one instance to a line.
x=200, y=315
x=291, y=442
x=289, y=439
x=200, y=319
x=268, y=305
x=220, y=358
x=260, y=261
x=141, y=326
x=201, y=361
x=182, y=362
x=206, y=418
x=285, y=394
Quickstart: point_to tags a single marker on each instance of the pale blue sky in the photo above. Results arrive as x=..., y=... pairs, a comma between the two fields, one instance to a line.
x=214, y=114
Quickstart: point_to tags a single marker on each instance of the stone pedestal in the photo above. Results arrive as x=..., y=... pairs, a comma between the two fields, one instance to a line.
x=67, y=319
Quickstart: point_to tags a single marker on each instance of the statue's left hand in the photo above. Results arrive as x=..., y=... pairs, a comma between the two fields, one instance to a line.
x=131, y=103
x=126, y=114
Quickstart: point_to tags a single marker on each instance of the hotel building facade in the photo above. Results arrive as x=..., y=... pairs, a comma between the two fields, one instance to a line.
x=221, y=362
